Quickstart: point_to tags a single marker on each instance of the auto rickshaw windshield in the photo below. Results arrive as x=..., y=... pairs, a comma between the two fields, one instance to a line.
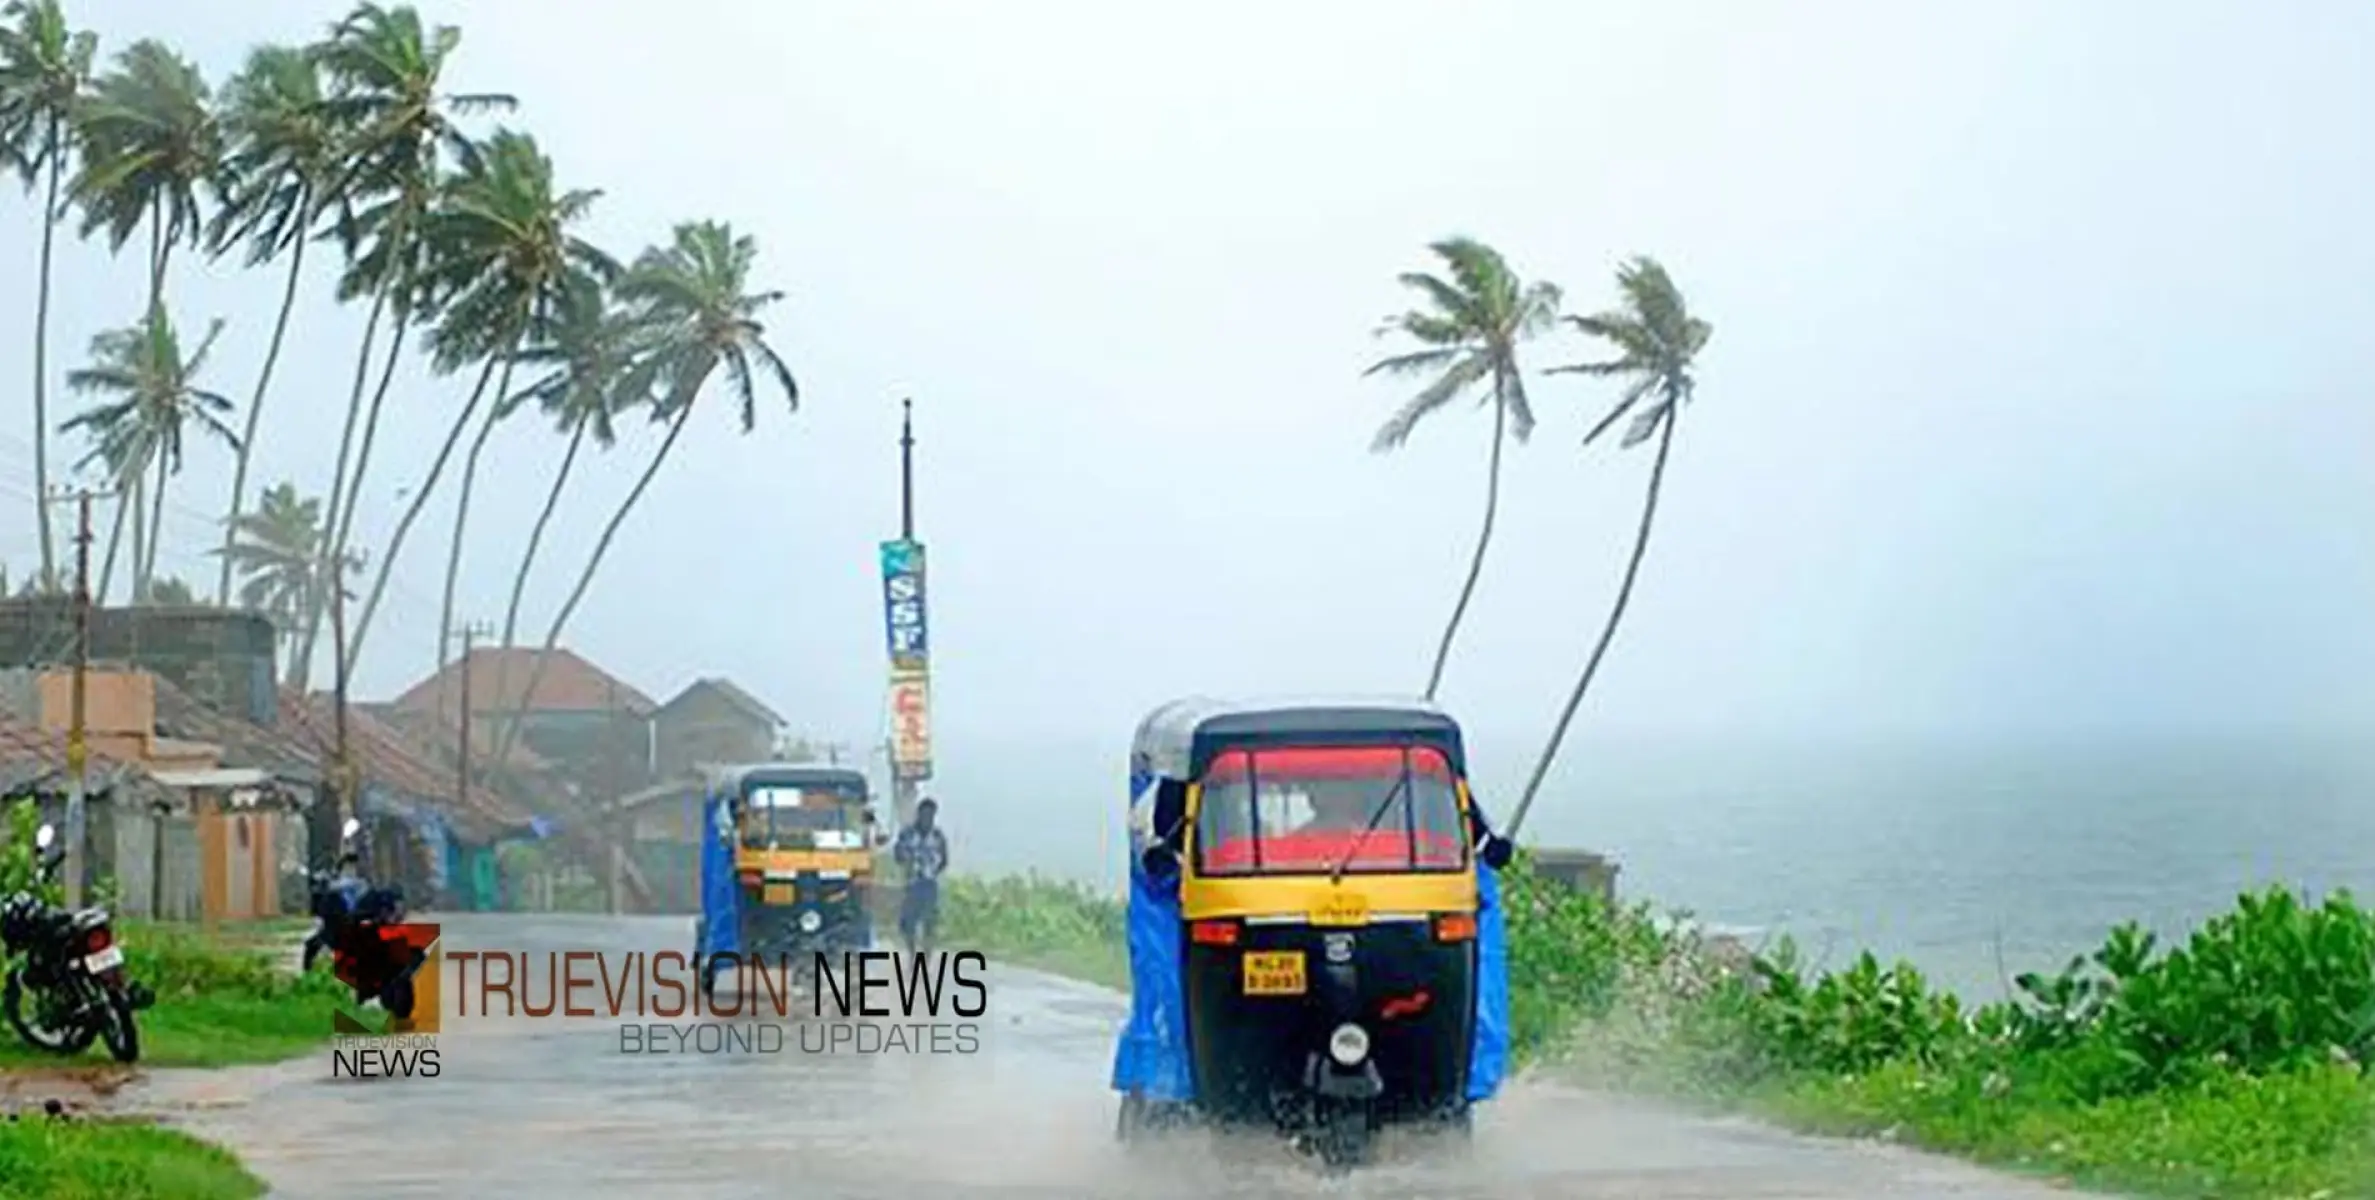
x=782, y=817
x=1310, y=809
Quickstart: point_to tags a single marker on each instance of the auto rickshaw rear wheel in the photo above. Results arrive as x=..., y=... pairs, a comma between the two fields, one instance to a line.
x=1129, y=1124
x=711, y=968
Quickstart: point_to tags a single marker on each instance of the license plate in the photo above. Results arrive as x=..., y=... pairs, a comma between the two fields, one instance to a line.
x=113, y=956
x=778, y=893
x=1341, y=908
x=1274, y=973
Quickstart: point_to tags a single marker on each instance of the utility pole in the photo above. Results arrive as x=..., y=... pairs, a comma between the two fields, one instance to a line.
x=903, y=789
x=907, y=470
x=470, y=632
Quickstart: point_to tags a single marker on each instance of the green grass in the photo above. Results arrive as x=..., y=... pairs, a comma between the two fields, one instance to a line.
x=2300, y=1133
x=1051, y=925
x=112, y=1160
x=223, y=999
x=2226, y=1066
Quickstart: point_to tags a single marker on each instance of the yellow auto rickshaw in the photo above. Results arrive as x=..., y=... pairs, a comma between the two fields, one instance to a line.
x=1313, y=945
x=785, y=868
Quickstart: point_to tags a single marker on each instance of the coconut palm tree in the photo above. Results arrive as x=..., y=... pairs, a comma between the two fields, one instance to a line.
x=1469, y=332
x=149, y=395
x=693, y=304
x=1657, y=343
x=44, y=66
x=386, y=71
x=171, y=591
x=501, y=257
x=585, y=351
x=150, y=145
x=283, y=151
x=275, y=549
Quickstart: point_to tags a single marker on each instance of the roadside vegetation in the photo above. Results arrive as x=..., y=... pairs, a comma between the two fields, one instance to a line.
x=224, y=997
x=2228, y=1064
x=116, y=1160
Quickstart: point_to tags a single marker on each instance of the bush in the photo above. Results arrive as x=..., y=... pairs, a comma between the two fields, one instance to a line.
x=1036, y=921
x=2272, y=986
x=18, y=855
x=185, y=963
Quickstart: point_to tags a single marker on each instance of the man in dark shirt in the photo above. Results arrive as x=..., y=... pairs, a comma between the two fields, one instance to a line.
x=921, y=852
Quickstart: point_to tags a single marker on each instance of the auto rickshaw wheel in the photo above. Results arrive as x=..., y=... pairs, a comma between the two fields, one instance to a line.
x=1129, y=1125
x=711, y=968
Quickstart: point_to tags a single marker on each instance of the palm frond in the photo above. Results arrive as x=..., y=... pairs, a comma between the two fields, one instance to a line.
x=1398, y=427
x=1412, y=363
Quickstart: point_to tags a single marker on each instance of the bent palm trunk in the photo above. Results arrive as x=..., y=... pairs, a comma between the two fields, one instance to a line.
x=115, y=540
x=1484, y=538
x=255, y=413
x=453, y=552
x=1616, y=615
x=585, y=578
x=301, y=669
x=49, y=234
x=420, y=500
x=552, y=502
x=156, y=532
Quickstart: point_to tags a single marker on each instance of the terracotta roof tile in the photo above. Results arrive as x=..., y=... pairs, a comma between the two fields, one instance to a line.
x=499, y=676
x=244, y=744
x=386, y=756
x=426, y=730
x=25, y=749
x=733, y=695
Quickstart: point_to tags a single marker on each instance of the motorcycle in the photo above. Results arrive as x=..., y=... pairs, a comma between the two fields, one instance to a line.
x=362, y=930
x=69, y=990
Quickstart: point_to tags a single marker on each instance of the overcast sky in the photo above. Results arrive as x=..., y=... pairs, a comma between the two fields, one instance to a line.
x=2037, y=398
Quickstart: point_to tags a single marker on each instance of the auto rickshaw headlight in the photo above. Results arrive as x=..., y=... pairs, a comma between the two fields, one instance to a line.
x=811, y=921
x=1348, y=1045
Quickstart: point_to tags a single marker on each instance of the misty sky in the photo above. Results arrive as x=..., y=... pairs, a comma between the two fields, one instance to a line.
x=2037, y=398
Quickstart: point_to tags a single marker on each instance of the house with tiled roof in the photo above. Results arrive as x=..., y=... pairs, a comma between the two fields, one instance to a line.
x=243, y=743
x=593, y=728
x=428, y=829
x=33, y=762
x=176, y=828
x=711, y=721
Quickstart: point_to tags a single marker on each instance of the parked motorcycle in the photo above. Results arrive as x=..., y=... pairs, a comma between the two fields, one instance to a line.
x=360, y=925
x=65, y=986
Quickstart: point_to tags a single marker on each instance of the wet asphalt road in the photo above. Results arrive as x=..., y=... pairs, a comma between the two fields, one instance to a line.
x=552, y=1107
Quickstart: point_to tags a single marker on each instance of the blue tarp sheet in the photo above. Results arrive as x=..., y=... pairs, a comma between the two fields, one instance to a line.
x=720, y=928
x=1152, y=1056
x=1488, y=1055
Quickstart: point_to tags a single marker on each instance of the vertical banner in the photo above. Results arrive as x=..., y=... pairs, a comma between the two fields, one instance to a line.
x=903, y=605
x=909, y=642
x=911, y=725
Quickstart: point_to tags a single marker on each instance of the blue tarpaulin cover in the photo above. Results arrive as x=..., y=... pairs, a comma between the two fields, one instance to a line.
x=720, y=928
x=1152, y=1058
x=1488, y=1056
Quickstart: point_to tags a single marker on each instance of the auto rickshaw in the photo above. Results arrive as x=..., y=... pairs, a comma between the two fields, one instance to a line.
x=1313, y=945
x=787, y=859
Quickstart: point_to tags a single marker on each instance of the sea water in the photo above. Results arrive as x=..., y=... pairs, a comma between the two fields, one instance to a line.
x=1974, y=861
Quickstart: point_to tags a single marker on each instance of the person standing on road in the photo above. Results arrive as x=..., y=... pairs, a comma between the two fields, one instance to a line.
x=922, y=853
